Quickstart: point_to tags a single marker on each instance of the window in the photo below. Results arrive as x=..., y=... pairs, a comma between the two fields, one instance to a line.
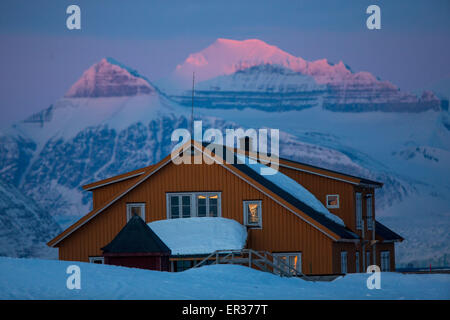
x=182, y=265
x=343, y=261
x=288, y=262
x=252, y=213
x=186, y=206
x=357, y=261
x=332, y=201
x=199, y=204
x=97, y=260
x=207, y=205
x=135, y=209
x=369, y=212
x=358, y=211
x=368, y=262
x=385, y=261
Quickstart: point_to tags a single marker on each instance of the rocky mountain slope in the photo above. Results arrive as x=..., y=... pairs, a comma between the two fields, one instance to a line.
x=24, y=226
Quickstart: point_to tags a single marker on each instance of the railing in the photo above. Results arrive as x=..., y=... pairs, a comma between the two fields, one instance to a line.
x=262, y=260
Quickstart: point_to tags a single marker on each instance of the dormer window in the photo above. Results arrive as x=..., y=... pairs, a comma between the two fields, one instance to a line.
x=332, y=201
x=135, y=209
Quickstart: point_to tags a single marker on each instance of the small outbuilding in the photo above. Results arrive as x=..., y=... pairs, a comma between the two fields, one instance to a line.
x=137, y=246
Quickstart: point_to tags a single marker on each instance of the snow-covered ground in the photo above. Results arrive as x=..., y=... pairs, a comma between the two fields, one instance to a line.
x=46, y=279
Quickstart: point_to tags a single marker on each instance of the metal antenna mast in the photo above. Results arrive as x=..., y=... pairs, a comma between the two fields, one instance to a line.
x=192, y=111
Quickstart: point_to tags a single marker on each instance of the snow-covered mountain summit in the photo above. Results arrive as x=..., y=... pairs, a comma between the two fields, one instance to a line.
x=109, y=94
x=229, y=72
x=226, y=56
x=109, y=78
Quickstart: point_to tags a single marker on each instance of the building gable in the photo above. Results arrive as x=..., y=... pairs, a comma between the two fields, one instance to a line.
x=323, y=225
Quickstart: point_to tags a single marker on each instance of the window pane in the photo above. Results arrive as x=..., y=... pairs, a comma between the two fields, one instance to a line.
x=358, y=210
x=252, y=210
x=332, y=201
x=174, y=207
x=186, y=200
x=294, y=263
x=343, y=262
x=186, y=206
x=136, y=211
x=357, y=261
x=213, y=206
x=369, y=213
x=201, y=206
x=282, y=264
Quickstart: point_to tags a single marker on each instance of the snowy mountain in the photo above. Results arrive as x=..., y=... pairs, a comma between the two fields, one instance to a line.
x=109, y=78
x=113, y=120
x=24, y=226
x=226, y=56
x=252, y=73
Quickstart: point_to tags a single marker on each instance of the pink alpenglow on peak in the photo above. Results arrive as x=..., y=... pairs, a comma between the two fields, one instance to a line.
x=109, y=78
x=226, y=56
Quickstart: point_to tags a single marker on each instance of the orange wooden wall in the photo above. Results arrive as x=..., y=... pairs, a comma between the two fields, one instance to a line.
x=321, y=186
x=282, y=231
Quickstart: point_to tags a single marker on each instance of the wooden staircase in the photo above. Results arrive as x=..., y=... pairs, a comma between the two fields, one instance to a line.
x=261, y=260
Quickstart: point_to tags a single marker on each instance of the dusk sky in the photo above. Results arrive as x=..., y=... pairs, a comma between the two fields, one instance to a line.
x=41, y=58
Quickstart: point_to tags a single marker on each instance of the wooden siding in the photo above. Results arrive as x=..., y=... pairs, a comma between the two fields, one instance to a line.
x=102, y=195
x=282, y=231
x=322, y=186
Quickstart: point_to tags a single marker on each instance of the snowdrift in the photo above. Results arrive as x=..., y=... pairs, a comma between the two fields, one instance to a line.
x=200, y=235
x=46, y=279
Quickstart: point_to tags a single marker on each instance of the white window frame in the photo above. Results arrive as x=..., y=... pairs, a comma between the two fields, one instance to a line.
x=135, y=204
x=193, y=196
x=369, y=209
x=333, y=206
x=357, y=262
x=344, y=266
x=358, y=213
x=385, y=261
x=279, y=255
x=93, y=259
x=244, y=210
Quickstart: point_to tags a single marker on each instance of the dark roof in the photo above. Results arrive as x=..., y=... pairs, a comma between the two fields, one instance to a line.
x=343, y=232
x=136, y=237
x=386, y=233
x=362, y=180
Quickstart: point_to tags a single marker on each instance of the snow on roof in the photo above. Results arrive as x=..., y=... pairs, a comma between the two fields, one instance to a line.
x=200, y=235
x=291, y=186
